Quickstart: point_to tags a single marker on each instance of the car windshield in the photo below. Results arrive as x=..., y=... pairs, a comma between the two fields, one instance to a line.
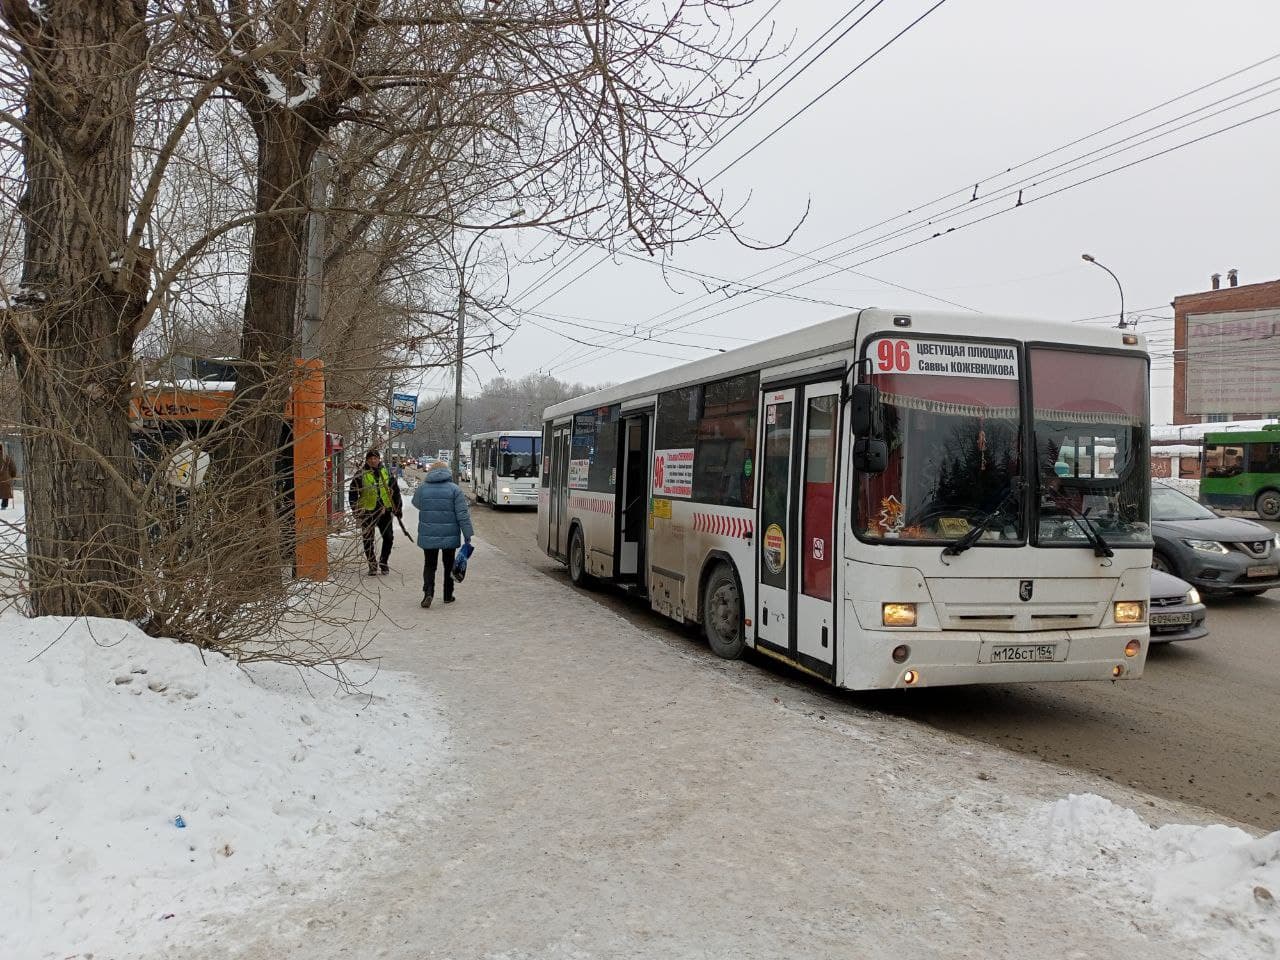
x=1090, y=446
x=1170, y=504
x=953, y=427
x=518, y=457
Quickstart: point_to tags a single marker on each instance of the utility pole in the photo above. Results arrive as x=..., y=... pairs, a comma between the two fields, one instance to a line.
x=313, y=305
x=462, y=335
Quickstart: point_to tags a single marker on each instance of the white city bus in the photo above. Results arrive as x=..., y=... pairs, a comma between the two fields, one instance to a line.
x=889, y=499
x=505, y=466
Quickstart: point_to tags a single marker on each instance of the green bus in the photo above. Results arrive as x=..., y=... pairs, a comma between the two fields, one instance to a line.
x=1241, y=471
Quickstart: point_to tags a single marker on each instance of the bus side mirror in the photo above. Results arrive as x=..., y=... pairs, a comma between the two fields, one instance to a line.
x=868, y=414
x=870, y=455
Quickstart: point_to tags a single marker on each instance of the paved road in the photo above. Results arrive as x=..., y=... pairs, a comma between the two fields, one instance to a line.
x=1203, y=725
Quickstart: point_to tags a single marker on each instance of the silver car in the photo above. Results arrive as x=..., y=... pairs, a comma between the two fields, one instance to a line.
x=1176, y=611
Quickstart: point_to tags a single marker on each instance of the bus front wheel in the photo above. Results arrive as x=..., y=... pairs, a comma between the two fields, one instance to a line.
x=1268, y=504
x=722, y=613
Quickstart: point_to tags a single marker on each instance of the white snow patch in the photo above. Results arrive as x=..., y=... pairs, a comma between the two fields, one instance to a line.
x=276, y=90
x=107, y=736
x=1217, y=885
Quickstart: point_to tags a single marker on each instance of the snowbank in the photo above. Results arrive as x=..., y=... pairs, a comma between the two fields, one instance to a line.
x=108, y=737
x=1216, y=885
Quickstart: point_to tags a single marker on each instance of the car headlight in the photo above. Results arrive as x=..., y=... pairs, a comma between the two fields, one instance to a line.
x=1193, y=596
x=1276, y=540
x=1206, y=546
x=506, y=489
x=1129, y=611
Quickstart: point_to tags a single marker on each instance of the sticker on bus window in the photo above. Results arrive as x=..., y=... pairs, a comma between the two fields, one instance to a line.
x=775, y=548
x=661, y=509
x=673, y=473
x=771, y=415
x=578, y=472
x=819, y=548
x=953, y=526
x=944, y=358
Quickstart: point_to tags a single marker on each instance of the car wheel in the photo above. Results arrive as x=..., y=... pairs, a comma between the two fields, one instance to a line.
x=1268, y=504
x=1162, y=563
x=722, y=613
x=578, y=560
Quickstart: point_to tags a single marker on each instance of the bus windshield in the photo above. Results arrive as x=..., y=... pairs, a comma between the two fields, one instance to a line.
x=955, y=447
x=519, y=457
x=1090, y=446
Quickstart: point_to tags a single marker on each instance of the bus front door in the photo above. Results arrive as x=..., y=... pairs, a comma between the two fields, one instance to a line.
x=797, y=550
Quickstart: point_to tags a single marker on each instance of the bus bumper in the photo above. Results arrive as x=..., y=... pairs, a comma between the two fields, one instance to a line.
x=947, y=658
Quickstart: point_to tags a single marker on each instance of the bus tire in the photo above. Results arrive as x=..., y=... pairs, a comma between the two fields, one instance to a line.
x=722, y=613
x=578, y=575
x=1268, y=504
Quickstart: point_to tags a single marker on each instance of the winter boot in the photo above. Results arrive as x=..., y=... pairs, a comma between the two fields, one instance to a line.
x=384, y=569
x=426, y=601
x=373, y=569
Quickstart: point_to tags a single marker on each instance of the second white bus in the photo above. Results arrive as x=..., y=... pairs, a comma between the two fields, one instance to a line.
x=889, y=499
x=505, y=465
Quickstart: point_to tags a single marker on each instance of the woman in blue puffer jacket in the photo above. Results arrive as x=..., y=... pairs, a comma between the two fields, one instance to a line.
x=443, y=519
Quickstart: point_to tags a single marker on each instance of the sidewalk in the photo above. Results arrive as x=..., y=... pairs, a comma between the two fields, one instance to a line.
x=612, y=795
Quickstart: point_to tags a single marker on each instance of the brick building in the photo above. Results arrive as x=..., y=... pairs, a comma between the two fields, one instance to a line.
x=1218, y=300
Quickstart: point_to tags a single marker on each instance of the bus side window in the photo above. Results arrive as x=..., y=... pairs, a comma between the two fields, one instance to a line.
x=1264, y=458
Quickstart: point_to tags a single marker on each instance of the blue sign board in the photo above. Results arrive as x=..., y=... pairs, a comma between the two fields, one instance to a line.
x=404, y=411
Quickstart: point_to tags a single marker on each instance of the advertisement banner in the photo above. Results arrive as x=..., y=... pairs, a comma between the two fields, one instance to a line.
x=1233, y=362
x=673, y=473
x=944, y=358
x=578, y=472
x=404, y=411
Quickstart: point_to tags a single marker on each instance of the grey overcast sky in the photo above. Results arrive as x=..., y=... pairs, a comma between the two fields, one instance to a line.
x=977, y=87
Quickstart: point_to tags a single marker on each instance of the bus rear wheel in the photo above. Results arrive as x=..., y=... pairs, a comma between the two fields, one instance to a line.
x=1268, y=504
x=578, y=560
x=722, y=613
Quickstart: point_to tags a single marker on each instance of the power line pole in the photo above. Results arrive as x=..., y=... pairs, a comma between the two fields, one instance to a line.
x=313, y=305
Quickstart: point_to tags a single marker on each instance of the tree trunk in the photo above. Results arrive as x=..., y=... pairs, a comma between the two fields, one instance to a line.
x=286, y=146
x=71, y=328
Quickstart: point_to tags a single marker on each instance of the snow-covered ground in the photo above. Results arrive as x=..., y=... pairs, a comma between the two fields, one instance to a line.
x=606, y=793
x=146, y=792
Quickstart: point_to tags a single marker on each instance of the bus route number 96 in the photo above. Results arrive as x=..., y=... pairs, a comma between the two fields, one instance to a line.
x=893, y=356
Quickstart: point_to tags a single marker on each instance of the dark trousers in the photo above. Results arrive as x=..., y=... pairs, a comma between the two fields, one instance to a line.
x=430, y=559
x=381, y=520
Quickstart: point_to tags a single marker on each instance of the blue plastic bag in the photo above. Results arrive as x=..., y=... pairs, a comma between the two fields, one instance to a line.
x=460, y=562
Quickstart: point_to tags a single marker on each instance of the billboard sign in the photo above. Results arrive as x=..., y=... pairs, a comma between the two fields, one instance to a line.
x=404, y=411
x=1233, y=362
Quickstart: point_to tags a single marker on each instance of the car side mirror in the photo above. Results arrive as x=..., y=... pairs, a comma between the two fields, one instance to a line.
x=870, y=455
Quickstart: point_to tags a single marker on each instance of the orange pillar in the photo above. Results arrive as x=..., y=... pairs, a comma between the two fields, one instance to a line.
x=310, y=496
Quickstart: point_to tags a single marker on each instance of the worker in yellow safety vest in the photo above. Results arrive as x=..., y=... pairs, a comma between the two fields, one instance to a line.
x=374, y=496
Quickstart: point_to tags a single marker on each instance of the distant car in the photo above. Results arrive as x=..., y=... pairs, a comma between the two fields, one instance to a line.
x=1176, y=611
x=1217, y=554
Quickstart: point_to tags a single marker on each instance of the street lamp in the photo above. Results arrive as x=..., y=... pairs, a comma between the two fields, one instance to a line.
x=1090, y=258
x=462, y=334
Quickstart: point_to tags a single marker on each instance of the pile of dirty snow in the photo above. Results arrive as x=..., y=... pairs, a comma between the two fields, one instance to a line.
x=142, y=789
x=1217, y=885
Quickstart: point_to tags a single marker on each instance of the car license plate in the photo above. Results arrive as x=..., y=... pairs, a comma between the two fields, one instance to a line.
x=1268, y=571
x=1170, y=619
x=1024, y=653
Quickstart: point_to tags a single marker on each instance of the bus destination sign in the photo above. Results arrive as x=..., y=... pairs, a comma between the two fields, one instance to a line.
x=945, y=358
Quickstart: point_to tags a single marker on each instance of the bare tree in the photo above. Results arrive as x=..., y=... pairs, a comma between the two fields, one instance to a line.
x=70, y=326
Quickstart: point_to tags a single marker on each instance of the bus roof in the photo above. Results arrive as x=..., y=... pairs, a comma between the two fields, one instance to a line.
x=1243, y=436
x=833, y=336
x=494, y=434
x=1197, y=431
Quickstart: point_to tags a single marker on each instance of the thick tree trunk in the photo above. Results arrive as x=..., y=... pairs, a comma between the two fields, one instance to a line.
x=71, y=331
x=286, y=146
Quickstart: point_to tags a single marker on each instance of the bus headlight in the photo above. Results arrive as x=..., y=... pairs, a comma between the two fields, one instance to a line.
x=1129, y=611
x=506, y=489
x=898, y=614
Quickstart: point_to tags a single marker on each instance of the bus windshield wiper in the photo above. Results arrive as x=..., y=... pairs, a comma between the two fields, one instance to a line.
x=979, y=528
x=1091, y=533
